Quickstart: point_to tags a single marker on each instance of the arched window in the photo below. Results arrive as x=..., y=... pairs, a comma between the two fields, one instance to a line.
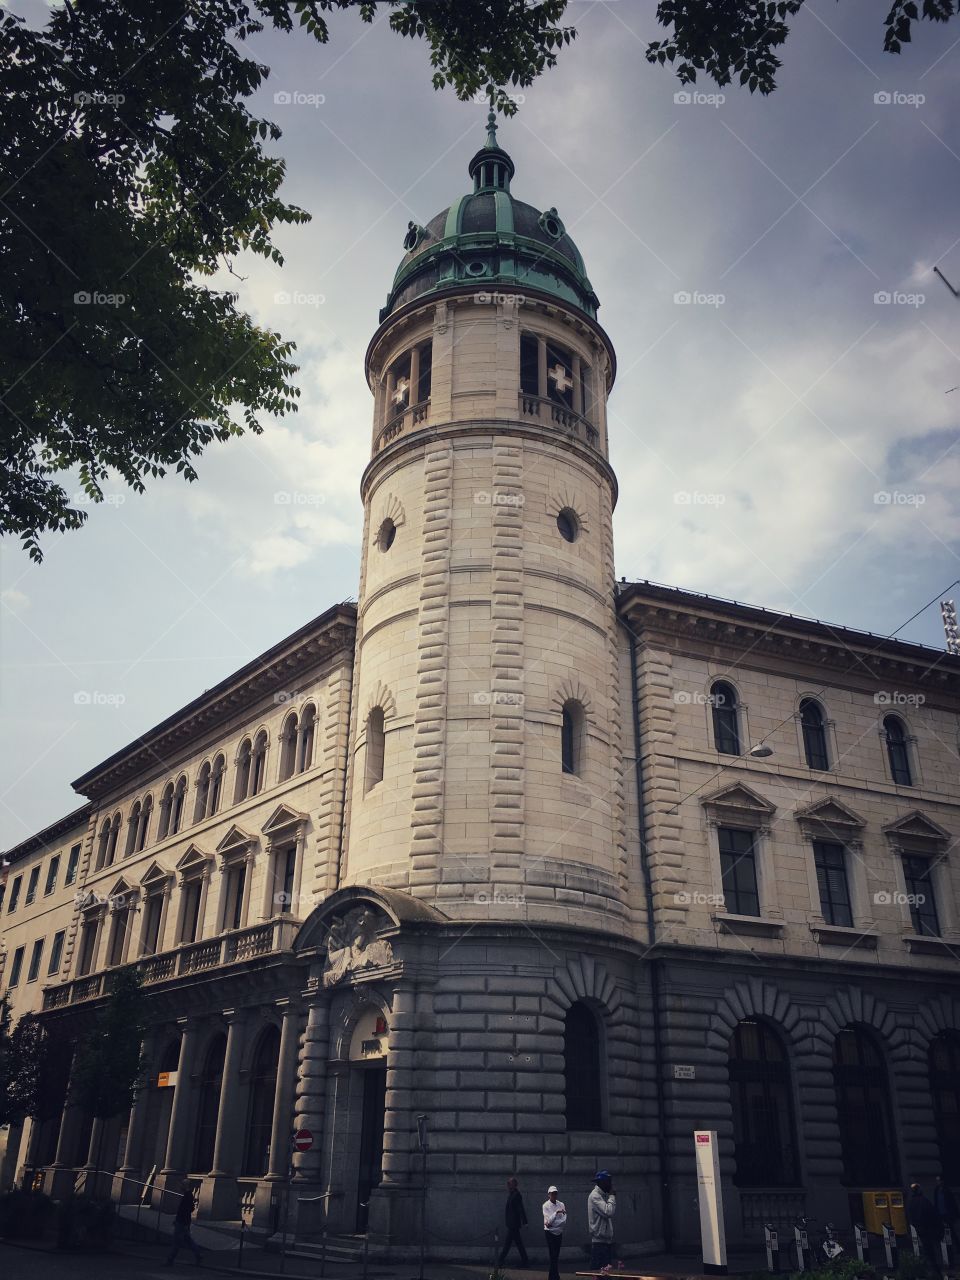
x=144, y=826
x=376, y=746
x=760, y=1094
x=288, y=746
x=114, y=838
x=216, y=785
x=898, y=751
x=166, y=807
x=308, y=721
x=133, y=823
x=176, y=806
x=103, y=844
x=581, y=1069
x=263, y=1089
x=726, y=718
x=258, y=763
x=863, y=1111
x=571, y=737
x=209, y=1104
x=203, y=792
x=945, y=1089
x=814, y=731
x=242, y=789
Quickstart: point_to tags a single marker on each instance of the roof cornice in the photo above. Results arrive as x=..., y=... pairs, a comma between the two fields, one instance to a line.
x=316, y=642
x=50, y=835
x=757, y=634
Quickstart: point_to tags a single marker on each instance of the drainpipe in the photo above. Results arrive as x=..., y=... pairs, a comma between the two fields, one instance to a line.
x=666, y=1214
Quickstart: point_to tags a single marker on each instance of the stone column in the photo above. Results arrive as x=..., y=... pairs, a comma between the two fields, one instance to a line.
x=309, y=1114
x=175, y=1159
x=218, y=1194
x=395, y=1204
x=124, y=1190
x=282, y=1127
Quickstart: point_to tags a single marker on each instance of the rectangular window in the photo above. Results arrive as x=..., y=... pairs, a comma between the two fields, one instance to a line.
x=73, y=862
x=920, y=895
x=529, y=365
x=121, y=921
x=560, y=375
x=424, y=377
x=286, y=871
x=738, y=868
x=17, y=967
x=191, y=910
x=3, y=890
x=14, y=895
x=32, y=885
x=56, y=952
x=52, y=872
x=831, y=864
x=35, y=957
x=151, y=924
x=233, y=907
x=88, y=942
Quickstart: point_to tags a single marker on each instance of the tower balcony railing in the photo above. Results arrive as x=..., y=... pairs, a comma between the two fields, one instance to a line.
x=235, y=947
x=403, y=422
x=543, y=410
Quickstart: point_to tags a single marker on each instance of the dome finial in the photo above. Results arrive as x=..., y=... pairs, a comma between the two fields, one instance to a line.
x=492, y=129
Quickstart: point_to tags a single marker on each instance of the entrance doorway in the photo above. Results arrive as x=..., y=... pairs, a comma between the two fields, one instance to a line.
x=371, y=1139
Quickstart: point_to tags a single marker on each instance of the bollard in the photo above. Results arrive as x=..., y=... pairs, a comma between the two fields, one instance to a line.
x=803, y=1248
x=240, y=1250
x=862, y=1236
x=365, y=1238
x=890, y=1244
x=915, y=1241
x=323, y=1251
x=773, y=1248
x=946, y=1245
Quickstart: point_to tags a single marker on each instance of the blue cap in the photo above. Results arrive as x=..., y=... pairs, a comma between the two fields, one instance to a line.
x=602, y=1174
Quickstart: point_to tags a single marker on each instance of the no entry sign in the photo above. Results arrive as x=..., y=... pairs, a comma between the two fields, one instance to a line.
x=302, y=1140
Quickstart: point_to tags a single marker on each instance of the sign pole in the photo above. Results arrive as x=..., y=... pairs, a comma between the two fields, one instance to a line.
x=710, y=1197
x=422, y=1143
x=301, y=1140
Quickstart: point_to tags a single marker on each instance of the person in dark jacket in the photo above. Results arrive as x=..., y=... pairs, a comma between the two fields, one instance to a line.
x=515, y=1219
x=181, y=1227
x=945, y=1203
x=928, y=1225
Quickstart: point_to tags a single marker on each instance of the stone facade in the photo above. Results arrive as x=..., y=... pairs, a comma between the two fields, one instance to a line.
x=496, y=888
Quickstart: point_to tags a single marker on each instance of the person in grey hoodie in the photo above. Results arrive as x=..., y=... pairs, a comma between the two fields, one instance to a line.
x=601, y=1206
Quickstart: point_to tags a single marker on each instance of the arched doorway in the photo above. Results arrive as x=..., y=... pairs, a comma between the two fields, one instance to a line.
x=863, y=1110
x=211, y=1083
x=263, y=1091
x=368, y=1092
x=945, y=1088
x=762, y=1101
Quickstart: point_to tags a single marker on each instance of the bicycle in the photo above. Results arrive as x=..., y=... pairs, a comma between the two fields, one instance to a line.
x=827, y=1248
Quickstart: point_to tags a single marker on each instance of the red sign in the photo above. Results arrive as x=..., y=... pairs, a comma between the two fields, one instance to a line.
x=703, y=1139
x=302, y=1140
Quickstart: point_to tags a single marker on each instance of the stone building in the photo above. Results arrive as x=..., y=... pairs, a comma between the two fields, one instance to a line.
x=569, y=867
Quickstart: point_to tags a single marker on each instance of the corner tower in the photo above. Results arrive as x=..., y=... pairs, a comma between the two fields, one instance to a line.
x=486, y=752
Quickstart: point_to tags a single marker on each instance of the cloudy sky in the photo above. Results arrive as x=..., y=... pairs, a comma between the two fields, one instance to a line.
x=783, y=438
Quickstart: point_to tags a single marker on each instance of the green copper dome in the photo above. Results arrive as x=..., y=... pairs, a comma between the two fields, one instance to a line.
x=491, y=241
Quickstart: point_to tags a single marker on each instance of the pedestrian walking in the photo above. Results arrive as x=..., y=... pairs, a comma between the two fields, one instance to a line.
x=945, y=1203
x=928, y=1225
x=554, y=1220
x=181, y=1228
x=601, y=1206
x=515, y=1219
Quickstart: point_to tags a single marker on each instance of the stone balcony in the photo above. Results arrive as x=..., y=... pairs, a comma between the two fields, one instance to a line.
x=403, y=422
x=192, y=957
x=538, y=409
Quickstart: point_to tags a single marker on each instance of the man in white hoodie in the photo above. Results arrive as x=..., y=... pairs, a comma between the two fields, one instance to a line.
x=601, y=1206
x=554, y=1220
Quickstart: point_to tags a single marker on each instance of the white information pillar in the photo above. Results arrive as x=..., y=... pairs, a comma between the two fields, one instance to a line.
x=712, y=1236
